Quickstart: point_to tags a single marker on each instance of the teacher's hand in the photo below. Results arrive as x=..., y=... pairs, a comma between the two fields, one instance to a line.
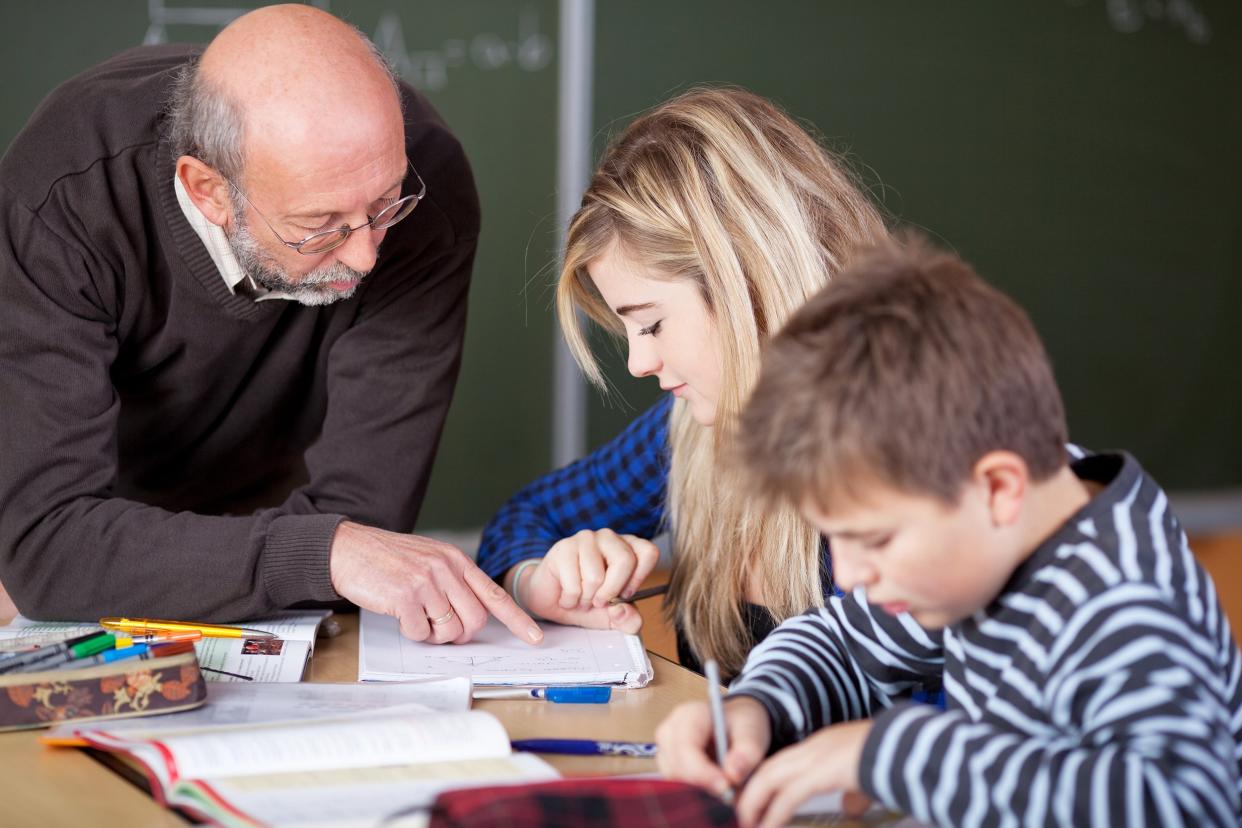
x=578, y=577
x=434, y=591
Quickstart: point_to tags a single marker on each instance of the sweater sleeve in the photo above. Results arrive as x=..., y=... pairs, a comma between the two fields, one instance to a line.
x=842, y=662
x=1140, y=733
x=621, y=486
x=69, y=549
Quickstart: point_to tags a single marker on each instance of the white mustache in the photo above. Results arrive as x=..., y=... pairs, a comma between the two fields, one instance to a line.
x=336, y=272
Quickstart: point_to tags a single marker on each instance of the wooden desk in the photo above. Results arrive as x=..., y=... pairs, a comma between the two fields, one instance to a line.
x=65, y=786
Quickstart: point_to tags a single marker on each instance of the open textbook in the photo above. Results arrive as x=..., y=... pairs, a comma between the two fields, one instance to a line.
x=363, y=769
x=567, y=655
x=283, y=658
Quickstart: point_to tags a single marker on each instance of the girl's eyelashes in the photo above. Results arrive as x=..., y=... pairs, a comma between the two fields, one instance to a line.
x=650, y=330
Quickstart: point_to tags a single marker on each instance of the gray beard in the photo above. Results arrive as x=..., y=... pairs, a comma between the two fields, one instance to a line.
x=311, y=289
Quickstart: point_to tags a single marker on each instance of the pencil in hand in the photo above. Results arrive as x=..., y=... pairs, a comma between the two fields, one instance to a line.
x=649, y=592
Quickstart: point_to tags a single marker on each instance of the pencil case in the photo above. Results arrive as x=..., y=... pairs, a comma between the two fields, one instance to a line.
x=104, y=691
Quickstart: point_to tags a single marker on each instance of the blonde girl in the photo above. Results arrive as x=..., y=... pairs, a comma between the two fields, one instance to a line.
x=710, y=220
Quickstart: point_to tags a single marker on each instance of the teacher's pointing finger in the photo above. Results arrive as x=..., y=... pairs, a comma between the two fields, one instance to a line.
x=494, y=598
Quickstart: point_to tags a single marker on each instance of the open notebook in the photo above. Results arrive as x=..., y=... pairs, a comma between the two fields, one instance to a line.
x=568, y=655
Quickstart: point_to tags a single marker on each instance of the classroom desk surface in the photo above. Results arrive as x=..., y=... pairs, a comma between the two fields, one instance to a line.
x=65, y=786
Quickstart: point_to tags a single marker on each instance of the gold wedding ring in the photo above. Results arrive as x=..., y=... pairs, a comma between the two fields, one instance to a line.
x=443, y=619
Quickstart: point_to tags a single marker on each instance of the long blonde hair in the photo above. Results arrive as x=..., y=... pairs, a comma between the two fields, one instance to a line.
x=719, y=186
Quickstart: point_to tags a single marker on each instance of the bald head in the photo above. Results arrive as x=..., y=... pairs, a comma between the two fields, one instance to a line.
x=305, y=86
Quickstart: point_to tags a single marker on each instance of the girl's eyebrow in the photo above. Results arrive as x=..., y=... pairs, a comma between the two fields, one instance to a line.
x=626, y=310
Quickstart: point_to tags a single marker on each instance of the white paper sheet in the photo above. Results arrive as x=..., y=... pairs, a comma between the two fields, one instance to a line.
x=278, y=659
x=245, y=703
x=282, y=659
x=319, y=745
x=825, y=808
x=296, y=625
x=23, y=632
x=568, y=655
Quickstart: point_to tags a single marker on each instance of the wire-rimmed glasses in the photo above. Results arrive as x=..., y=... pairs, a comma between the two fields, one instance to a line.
x=326, y=240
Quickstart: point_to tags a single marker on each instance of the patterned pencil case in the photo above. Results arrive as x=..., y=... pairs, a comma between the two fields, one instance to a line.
x=122, y=689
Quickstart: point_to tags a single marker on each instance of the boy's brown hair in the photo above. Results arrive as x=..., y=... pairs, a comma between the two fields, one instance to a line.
x=906, y=370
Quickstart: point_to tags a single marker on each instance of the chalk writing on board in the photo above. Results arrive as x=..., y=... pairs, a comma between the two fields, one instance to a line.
x=529, y=50
x=160, y=16
x=1129, y=16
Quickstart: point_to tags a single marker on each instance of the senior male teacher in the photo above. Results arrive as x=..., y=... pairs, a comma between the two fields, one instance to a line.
x=232, y=298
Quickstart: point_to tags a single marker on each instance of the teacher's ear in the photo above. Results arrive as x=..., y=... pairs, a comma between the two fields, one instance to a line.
x=206, y=188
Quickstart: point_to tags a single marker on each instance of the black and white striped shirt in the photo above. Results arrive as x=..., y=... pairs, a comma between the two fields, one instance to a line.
x=1102, y=687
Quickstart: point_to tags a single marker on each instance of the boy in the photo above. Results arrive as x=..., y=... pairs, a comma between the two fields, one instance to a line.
x=1090, y=676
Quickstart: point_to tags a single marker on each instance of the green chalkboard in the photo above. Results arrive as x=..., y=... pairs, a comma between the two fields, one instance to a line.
x=1083, y=154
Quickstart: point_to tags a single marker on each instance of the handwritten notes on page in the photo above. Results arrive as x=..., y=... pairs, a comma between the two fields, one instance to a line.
x=568, y=655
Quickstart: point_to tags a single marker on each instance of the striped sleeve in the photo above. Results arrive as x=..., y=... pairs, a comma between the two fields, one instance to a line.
x=843, y=662
x=1139, y=732
x=619, y=486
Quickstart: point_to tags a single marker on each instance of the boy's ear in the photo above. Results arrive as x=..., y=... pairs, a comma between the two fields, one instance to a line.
x=206, y=188
x=1005, y=477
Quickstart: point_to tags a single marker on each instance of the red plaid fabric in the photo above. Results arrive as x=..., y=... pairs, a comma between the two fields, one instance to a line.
x=569, y=803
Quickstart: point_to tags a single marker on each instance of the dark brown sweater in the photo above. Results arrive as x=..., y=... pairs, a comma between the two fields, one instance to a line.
x=168, y=448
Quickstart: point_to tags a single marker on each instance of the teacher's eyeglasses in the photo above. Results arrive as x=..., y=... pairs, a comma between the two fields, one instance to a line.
x=326, y=240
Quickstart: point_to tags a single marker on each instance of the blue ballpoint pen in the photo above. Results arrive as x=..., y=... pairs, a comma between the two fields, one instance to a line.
x=583, y=694
x=585, y=747
x=109, y=656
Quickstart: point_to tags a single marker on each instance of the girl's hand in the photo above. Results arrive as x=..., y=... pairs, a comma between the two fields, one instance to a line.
x=575, y=581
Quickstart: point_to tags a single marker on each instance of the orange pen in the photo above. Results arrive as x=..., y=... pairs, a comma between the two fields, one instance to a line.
x=130, y=640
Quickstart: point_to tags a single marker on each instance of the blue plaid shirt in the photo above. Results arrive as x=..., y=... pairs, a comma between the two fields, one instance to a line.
x=622, y=485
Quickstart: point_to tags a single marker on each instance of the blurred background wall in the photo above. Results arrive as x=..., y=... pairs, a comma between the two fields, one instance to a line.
x=1083, y=154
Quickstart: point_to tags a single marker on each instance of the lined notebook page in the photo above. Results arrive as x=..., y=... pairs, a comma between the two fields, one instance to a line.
x=568, y=655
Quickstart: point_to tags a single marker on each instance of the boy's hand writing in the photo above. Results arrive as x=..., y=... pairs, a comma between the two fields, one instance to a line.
x=687, y=748
x=826, y=761
x=579, y=576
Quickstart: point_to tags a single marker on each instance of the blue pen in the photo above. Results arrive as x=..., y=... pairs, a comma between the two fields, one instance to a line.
x=585, y=747
x=586, y=694
x=108, y=656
